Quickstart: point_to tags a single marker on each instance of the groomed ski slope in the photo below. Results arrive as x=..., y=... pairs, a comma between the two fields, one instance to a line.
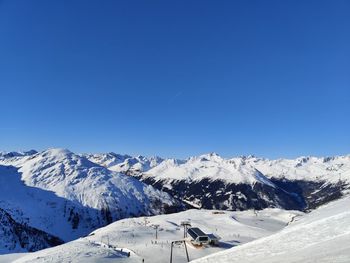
x=137, y=236
x=321, y=236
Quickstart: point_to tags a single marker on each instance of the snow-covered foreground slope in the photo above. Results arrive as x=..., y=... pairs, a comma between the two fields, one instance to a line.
x=321, y=236
x=68, y=196
x=79, y=251
x=137, y=236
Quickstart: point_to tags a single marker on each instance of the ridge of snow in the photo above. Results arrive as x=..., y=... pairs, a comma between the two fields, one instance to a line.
x=239, y=169
x=124, y=163
x=321, y=236
x=208, y=166
x=73, y=192
x=78, y=179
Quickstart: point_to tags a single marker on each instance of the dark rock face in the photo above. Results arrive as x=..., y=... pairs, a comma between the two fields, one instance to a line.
x=291, y=195
x=221, y=195
x=313, y=194
x=21, y=237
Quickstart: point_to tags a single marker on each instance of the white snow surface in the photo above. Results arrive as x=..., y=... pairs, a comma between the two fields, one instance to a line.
x=48, y=182
x=137, y=235
x=330, y=169
x=214, y=167
x=124, y=163
x=38, y=208
x=208, y=166
x=321, y=236
x=250, y=170
x=77, y=179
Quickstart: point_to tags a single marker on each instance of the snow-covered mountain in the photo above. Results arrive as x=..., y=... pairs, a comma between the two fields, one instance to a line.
x=21, y=237
x=124, y=163
x=321, y=236
x=8, y=155
x=43, y=209
x=68, y=196
x=330, y=169
x=210, y=181
x=76, y=178
x=317, y=180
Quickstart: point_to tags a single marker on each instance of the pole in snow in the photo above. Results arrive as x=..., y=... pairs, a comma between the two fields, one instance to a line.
x=171, y=249
x=185, y=225
x=156, y=228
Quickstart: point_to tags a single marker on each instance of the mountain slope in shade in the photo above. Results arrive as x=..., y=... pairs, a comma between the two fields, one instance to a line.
x=321, y=236
x=43, y=209
x=316, y=180
x=79, y=180
x=17, y=237
x=68, y=196
x=212, y=182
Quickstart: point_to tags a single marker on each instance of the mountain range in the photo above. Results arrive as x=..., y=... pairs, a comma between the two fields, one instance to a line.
x=59, y=195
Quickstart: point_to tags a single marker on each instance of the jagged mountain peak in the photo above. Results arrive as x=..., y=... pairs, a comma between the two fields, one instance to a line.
x=124, y=163
x=208, y=166
x=17, y=154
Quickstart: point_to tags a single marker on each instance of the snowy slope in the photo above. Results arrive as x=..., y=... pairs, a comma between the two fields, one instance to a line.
x=241, y=169
x=68, y=196
x=330, y=169
x=137, y=235
x=19, y=237
x=15, y=158
x=209, y=166
x=79, y=251
x=321, y=236
x=43, y=209
x=212, y=182
x=77, y=179
x=124, y=163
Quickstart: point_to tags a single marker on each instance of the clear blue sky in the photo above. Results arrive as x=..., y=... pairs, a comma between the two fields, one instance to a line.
x=176, y=78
